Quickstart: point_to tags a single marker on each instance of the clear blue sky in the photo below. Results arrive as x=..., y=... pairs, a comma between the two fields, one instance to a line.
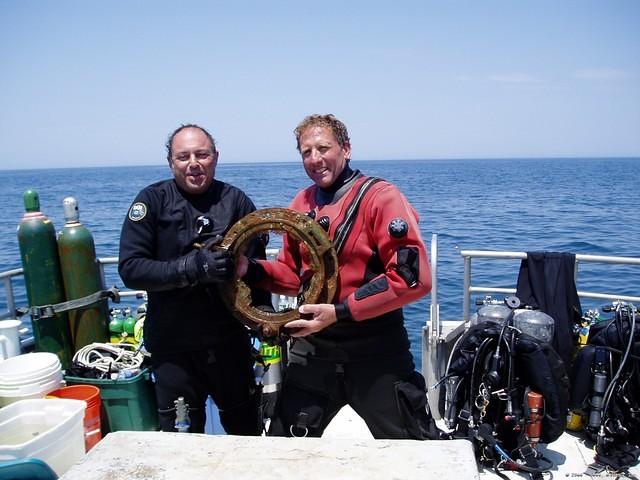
x=87, y=83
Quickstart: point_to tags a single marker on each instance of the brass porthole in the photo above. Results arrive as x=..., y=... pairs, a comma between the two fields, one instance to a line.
x=324, y=262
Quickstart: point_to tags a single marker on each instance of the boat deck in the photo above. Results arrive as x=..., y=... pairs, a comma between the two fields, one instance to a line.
x=180, y=456
x=346, y=451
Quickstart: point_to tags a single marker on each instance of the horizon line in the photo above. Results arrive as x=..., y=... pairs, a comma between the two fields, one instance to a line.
x=282, y=162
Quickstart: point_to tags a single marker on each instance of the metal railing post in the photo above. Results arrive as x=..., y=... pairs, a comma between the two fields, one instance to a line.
x=434, y=313
x=467, y=288
x=11, y=303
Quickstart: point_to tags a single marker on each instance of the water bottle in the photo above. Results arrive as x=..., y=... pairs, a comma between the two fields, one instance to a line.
x=125, y=373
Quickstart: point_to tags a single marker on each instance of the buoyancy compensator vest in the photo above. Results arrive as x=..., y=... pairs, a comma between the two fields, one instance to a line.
x=605, y=387
x=496, y=381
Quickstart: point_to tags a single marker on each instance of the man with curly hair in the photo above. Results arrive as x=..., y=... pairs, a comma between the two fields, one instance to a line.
x=355, y=350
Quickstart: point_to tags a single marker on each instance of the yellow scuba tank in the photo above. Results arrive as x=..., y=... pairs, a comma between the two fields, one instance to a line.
x=43, y=280
x=81, y=277
x=138, y=330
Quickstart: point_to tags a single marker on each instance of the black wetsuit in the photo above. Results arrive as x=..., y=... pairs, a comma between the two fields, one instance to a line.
x=198, y=348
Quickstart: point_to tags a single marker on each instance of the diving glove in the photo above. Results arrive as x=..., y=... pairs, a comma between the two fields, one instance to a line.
x=209, y=266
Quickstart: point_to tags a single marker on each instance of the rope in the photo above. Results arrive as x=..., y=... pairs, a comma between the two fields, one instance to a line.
x=108, y=357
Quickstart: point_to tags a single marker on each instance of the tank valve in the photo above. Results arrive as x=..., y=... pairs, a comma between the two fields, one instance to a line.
x=182, y=415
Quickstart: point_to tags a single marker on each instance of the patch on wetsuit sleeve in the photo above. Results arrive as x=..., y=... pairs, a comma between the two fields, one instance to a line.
x=379, y=285
x=137, y=211
x=398, y=228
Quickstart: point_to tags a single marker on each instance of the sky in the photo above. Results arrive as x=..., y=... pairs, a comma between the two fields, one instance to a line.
x=87, y=83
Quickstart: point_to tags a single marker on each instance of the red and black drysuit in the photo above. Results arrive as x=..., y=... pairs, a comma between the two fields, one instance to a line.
x=364, y=359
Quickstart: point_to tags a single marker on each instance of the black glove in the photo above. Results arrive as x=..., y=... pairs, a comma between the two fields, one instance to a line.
x=209, y=266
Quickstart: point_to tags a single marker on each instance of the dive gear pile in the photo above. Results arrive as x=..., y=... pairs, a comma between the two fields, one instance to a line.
x=506, y=391
x=606, y=386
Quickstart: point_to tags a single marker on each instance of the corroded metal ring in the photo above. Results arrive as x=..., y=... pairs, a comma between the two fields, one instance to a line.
x=324, y=263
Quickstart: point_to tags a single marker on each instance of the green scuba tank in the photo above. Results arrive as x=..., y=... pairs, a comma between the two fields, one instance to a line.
x=128, y=326
x=116, y=326
x=81, y=277
x=43, y=280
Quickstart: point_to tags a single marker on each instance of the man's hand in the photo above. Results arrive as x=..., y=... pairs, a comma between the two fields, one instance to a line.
x=210, y=266
x=320, y=316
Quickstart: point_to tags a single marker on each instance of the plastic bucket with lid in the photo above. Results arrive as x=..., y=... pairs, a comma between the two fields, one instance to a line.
x=91, y=395
x=29, y=376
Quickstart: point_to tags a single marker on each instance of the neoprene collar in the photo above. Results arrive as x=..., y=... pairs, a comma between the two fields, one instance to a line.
x=325, y=196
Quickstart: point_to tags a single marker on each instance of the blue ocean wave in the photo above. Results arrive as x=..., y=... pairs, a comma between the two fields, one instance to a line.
x=587, y=206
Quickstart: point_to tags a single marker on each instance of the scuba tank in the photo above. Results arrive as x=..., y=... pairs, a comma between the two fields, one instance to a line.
x=535, y=323
x=81, y=276
x=116, y=326
x=128, y=326
x=182, y=422
x=43, y=279
x=138, y=328
x=535, y=407
x=452, y=383
x=598, y=387
x=269, y=373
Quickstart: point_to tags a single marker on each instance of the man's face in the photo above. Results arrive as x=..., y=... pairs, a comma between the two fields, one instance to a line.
x=193, y=161
x=322, y=156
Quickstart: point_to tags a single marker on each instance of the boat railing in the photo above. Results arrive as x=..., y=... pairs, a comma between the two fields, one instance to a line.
x=469, y=289
x=7, y=281
x=439, y=336
x=10, y=275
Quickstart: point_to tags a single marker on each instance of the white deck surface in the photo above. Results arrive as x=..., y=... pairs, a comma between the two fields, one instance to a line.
x=346, y=451
x=178, y=456
x=570, y=453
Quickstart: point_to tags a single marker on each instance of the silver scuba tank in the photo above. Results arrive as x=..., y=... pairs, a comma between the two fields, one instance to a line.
x=534, y=323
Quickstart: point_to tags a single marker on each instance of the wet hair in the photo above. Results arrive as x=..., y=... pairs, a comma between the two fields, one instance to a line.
x=178, y=130
x=327, y=121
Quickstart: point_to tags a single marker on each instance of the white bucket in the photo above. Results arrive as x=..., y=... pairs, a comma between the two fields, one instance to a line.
x=48, y=429
x=27, y=376
x=9, y=338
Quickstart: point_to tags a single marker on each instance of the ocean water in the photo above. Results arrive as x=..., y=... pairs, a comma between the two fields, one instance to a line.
x=589, y=206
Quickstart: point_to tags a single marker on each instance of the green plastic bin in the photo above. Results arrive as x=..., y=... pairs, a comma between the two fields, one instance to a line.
x=127, y=404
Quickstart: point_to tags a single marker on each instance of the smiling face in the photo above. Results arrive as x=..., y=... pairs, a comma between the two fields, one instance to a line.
x=193, y=161
x=322, y=156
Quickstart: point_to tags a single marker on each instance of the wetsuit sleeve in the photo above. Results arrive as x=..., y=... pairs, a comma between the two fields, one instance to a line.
x=138, y=267
x=392, y=227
